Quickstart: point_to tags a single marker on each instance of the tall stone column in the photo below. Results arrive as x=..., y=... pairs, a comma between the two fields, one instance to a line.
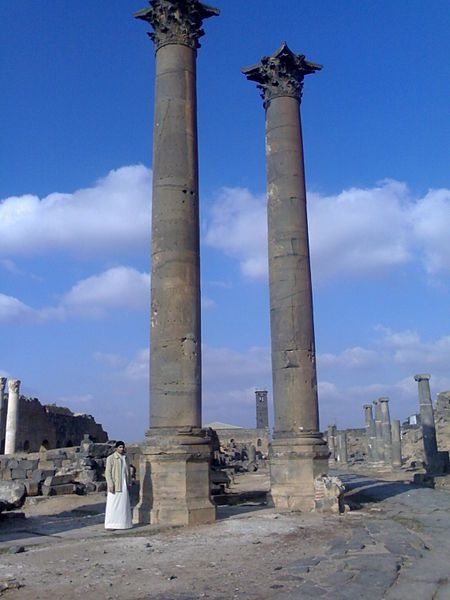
x=331, y=440
x=378, y=431
x=299, y=453
x=396, y=444
x=3, y=411
x=427, y=422
x=175, y=485
x=386, y=430
x=262, y=409
x=12, y=416
x=370, y=433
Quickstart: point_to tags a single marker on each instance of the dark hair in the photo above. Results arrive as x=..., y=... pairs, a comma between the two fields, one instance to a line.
x=119, y=443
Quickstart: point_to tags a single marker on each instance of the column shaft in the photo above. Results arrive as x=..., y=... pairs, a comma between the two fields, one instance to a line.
x=331, y=440
x=175, y=355
x=291, y=311
x=427, y=421
x=386, y=430
x=396, y=444
x=342, y=456
x=3, y=412
x=370, y=433
x=12, y=418
x=379, y=431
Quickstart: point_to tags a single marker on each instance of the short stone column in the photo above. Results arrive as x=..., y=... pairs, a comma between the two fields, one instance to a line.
x=175, y=481
x=386, y=430
x=341, y=448
x=331, y=440
x=3, y=412
x=299, y=452
x=379, y=442
x=396, y=443
x=371, y=438
x=427, y=422
x=12, y=419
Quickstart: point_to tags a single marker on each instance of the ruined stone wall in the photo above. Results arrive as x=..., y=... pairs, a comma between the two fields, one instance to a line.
x=356, y=444
x=243, y=437
x=43, y=427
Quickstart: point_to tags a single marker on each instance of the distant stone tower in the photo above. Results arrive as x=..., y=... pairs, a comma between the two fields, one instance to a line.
x=262, y=411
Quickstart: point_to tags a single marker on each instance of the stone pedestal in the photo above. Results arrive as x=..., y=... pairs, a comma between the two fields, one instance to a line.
x=295, y=463
x=175, y=469
x=12, y=416
x=298, y=449
x=175, y=479
x=396, y=444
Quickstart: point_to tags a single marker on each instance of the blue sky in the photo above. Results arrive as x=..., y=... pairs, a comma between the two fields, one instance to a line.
x=75, y=193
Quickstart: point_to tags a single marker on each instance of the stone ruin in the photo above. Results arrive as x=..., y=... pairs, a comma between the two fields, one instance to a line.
x=26, y=425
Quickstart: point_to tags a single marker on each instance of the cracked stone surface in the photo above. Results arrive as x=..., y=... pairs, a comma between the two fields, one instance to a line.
x=397, y=546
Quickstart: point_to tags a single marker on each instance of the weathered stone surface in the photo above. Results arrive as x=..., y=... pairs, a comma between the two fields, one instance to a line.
x=12, y=495
x=58, y=480
x=59, y=490
x=40, y=475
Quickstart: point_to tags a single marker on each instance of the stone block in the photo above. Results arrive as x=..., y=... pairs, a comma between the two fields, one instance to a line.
x=41, y=474
x=58, y=480
x=29, y=473
x=67, y=462
x=18, y=474
x=56, y=453
x=32, y=487
x=12, y=495
x=28, y=464
x=59, y=490
x=6, y=475
x=47, y=464
x=13, y=463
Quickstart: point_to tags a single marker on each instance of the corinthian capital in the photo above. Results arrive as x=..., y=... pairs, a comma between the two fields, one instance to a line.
x=281, y=74
x=176, y=21
x=13, y=386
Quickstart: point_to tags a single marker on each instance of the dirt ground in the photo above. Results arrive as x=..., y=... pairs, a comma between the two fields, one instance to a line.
x=251, y=552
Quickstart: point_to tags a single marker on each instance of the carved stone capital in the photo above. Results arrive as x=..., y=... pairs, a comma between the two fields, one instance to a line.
x=281, y=74
x=13, y=386
x=422, y=376
x=2, y=384
x=176, y=21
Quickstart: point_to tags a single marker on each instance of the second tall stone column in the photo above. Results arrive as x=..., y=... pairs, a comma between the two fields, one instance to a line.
x=299, y=453
x=175, y=485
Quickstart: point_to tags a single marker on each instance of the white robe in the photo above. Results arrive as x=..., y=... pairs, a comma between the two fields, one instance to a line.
x=118, y=511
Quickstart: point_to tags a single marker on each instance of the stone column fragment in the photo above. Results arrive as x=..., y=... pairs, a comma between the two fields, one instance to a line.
x=299, y=453
x=396, y=444
x=331, y=440
x=3, y=412
x=370, y=434
x=386, y=430
x=427, y=421
x=12, y=419
x=341, y=448
x=175, y=485
x=378, y=431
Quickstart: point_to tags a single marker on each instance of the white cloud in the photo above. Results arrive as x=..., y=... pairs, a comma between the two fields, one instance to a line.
x=356, y=357
x=431, y=223
x=407, y=348
x=356, y=233
x=238, y=227
x=13, y=310
x=112, y=215
x=138, y=368
x=118, y=287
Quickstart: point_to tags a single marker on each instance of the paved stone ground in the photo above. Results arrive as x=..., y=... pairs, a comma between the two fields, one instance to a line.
x=396, y=546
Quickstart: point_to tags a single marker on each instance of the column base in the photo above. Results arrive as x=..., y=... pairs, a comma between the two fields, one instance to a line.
x=175, y=479
x=295, y=464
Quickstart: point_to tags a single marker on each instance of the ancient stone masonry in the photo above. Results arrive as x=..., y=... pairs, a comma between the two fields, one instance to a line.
x=44, y=427
x=370, y=434
x=396, y=444
x=299, y=453
x=386, y=430
x=331, y=441
x=175, y=484
x=262, y=409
